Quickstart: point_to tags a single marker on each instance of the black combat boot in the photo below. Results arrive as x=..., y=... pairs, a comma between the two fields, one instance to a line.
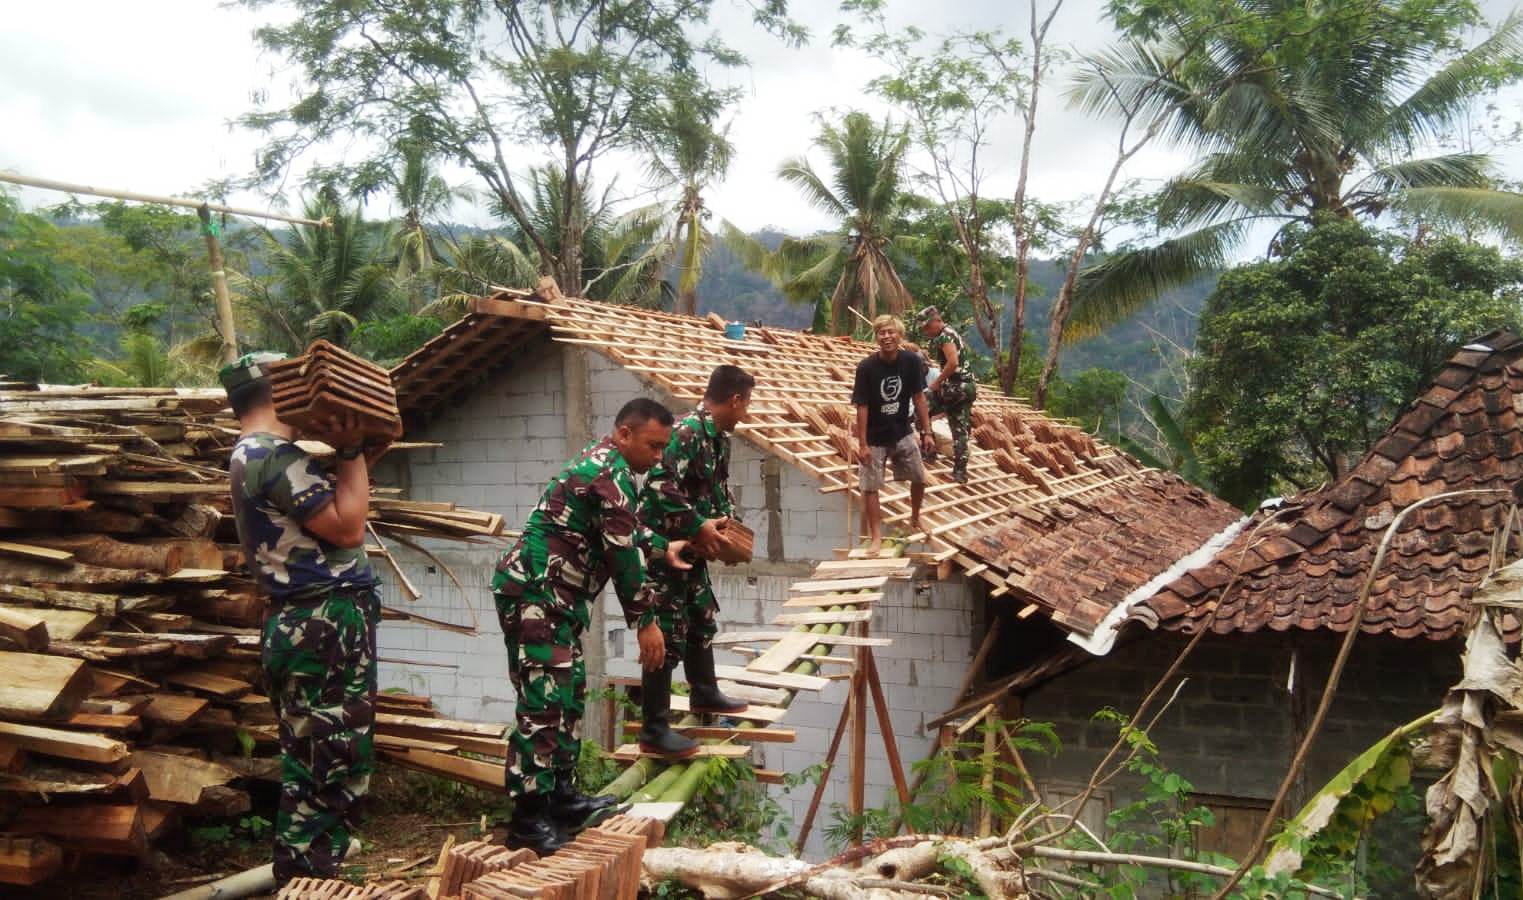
x=960, y=470
x=573, y=810
x=532, y=826
x=656, y=735
x=705, y=696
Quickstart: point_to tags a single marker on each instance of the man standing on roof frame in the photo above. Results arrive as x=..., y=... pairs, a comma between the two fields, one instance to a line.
x=887, y=384
x=688, y=495
x=583, y=532
x=954, y=388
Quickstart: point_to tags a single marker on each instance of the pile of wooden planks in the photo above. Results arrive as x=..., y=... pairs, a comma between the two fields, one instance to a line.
x=326, y=382
x=129, y=628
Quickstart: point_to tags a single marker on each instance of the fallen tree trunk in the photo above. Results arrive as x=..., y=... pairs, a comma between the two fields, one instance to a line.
x=729, y=871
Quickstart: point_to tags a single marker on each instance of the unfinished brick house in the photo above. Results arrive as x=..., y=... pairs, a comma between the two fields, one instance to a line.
x=1055, y=534
x=1256, y=677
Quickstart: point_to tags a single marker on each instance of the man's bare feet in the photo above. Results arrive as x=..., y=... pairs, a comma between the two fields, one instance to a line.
x=915, y=527
x=876, y=547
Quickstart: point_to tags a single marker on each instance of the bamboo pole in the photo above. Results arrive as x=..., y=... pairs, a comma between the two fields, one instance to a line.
x=225, y=326
x=64, y=186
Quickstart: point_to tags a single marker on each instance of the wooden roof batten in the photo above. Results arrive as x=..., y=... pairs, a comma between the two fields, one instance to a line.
x=1034, y=479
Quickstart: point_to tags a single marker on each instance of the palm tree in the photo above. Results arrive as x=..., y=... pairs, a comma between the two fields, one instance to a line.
x=325, y=281
x=688, y=154
x=1325, y=121
x=866, y=160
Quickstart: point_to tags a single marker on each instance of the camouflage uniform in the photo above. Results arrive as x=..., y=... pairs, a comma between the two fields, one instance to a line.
x=317, y=651
x=955, y=395
x=687, y=487
x=582, y=532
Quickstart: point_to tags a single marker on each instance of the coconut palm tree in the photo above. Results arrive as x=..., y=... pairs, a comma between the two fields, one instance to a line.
x=324, y=281
x=866, y=162
x=1321, y=117
x=686, y=154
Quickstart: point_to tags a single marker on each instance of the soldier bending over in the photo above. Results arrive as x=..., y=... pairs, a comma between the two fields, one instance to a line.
x=582, y=532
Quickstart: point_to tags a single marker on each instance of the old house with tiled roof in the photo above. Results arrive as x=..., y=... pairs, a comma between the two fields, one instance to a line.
x=1277, y=599
x=1055, y=535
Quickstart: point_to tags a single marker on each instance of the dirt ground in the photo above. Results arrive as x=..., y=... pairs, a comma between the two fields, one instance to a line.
x=408, y=817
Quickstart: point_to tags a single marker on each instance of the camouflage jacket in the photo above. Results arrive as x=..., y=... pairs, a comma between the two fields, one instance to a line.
x=938, y=357
x=691, y=482
x=276, y=486
x=583, y=532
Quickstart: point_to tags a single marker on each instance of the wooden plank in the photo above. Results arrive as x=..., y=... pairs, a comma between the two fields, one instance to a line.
x=845, y=617
x=28, y=860
x=754, y=713
x=210, y=682
x=102, y=828
x=819, y=600
x=174, y=710
x=782, y=655
x=396, y=742
x=488, y=775
x=864, y=568
x=790, y=681
x=36, y=685
x=23, y=628
x=63, y=624
x=449, y=726
x=64, y=744
x=754, y=693
x=33, y=552
x=838, y=584
x=840, y=640
x=88, y=721
x=721, y=733
x=464, y=742
x=175, y=778
x=632, y=752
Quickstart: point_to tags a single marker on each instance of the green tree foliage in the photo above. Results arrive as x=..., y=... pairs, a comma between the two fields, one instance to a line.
x=42, y=300
x=324, y=281
x=1094, y=398
x=863, y=188
x=1296, y=110
x=1303, y=362
x=581, y=78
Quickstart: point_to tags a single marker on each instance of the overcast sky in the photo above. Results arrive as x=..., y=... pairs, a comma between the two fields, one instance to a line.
x=99, y=92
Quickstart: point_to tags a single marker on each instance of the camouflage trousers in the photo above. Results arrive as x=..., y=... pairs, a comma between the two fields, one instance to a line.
x=319, y=660
x=955, y=398
x=550, y=680
x=687, y=610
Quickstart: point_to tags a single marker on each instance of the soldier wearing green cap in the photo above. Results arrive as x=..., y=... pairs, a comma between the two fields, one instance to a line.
x=303, y=531
x=954, y=388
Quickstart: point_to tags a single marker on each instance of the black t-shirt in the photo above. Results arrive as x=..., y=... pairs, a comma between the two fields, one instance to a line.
x=888, y=391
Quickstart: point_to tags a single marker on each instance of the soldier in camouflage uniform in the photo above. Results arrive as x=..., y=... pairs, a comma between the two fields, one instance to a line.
x=302, y=532
x=688, y=495
x=954, y=389
x=583, y=531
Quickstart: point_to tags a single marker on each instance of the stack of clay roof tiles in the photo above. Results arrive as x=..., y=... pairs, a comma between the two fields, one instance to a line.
x=1050, y=516
x=1304, y=570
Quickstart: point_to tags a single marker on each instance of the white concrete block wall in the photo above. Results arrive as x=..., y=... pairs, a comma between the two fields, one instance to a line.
x=501, y=446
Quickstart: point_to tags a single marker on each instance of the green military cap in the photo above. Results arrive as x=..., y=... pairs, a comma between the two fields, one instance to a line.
x=246, y=368
x=927, y=314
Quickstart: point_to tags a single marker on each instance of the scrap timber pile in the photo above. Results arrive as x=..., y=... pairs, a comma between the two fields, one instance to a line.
x=128, y=625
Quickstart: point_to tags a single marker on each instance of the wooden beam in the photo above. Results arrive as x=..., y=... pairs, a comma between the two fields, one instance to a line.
x=719, y=733
x=64, y=744
x=38, y=686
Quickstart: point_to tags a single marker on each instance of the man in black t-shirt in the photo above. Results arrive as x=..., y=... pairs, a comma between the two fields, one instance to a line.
x=887, y=384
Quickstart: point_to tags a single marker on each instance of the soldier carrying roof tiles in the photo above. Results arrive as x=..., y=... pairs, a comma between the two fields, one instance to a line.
x=688, y=495
x=583, y=532
x=303, y=533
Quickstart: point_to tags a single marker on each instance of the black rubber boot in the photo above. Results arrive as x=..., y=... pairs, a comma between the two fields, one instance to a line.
x=705, y=696
x=532, y=826
x=656, y=734
x=573, y=810
x=960, y=471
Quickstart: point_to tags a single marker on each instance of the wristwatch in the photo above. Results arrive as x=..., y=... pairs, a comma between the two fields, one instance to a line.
x=349, y=453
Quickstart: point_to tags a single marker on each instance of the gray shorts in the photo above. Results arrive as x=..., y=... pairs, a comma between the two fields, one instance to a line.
x=903, y=456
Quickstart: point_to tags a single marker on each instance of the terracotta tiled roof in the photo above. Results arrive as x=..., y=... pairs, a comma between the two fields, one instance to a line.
x=1305, y=568
x=1050, y=516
